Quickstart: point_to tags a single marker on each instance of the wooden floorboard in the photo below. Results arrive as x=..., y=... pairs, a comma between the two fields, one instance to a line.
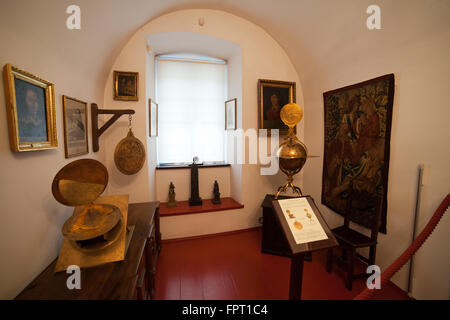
x=233, y=267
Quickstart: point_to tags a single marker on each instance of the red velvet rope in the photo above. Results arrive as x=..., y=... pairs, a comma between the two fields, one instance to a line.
x=410, y=251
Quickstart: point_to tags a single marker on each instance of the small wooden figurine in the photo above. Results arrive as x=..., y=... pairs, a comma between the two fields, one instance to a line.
x=172, y=203
x=216, y=199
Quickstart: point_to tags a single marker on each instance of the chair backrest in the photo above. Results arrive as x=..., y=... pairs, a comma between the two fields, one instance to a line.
x=348, y=209
x=376, y=217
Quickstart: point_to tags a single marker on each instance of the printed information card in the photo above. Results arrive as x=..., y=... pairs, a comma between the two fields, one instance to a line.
x=301, y=220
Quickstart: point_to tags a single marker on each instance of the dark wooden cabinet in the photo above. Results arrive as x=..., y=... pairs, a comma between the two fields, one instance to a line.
x=273, y=241
x=132, y=278
x=147, y=273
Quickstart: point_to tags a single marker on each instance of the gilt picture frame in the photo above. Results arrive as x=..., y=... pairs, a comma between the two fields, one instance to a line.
x=152, y=118
x=75, y=121
x=30, y=104
x=272, y=96
x=357, y=126
x=230, y=114
x=126, y=85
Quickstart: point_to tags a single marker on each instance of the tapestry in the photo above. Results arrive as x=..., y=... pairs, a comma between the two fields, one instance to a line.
x=357, y=139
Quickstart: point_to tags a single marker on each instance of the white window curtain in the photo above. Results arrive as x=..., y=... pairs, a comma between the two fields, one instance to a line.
x=190, y=98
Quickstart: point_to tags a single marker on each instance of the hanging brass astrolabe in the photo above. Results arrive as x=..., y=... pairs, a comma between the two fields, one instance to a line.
x=292, y=153
x=129, y=155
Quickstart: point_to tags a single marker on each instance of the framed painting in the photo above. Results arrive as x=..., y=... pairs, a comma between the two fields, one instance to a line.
x=153, y=118
x=272, y=96
x=30, y=104
x=357, y=142
x=126, y=86
x=230, y=114
x=75, y=127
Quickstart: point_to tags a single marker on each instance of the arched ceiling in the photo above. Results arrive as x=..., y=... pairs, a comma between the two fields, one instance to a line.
x=309, y=30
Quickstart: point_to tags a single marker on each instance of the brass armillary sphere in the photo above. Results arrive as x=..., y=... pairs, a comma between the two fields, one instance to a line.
x=292, y=153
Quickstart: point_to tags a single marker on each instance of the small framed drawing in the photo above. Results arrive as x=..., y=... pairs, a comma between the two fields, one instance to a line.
x=230, y=114
x=126, y=86
x=75, y=127
x=272, y=96
x=30, y=103
x=153, y=118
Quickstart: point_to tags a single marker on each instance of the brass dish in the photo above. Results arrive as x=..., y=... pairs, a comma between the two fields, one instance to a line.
x=91, y=221
x=80, y=182
x=102, y=241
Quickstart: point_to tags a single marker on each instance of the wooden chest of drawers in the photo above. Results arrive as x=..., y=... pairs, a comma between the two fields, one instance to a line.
x=133, y=278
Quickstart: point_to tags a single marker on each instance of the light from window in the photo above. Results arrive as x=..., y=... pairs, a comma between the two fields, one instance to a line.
x=190, y=95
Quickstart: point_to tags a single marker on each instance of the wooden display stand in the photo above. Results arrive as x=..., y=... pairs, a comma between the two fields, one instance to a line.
x=273, y=239
x=298, y=251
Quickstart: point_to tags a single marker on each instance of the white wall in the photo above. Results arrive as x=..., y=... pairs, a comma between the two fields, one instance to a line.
x=151, y=141
x=176, y=227
x=414, y=46
x=30, y=218
x=261, y=57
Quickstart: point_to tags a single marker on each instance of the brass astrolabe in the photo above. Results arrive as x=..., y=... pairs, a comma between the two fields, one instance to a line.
x=92, y=226
x=129, y=155
x=292, y=153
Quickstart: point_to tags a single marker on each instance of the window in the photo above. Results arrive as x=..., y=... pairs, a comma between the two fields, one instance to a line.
x=191, y=91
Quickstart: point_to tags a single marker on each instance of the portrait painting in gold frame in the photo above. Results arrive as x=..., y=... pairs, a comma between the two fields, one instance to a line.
x=272, y=96
x=126, y=86
x=75, y=127
x=30, y=105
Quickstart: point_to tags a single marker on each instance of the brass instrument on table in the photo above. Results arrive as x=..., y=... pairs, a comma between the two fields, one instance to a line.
x=96, y=232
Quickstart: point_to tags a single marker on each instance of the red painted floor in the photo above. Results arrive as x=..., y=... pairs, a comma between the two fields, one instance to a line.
x=232, y=267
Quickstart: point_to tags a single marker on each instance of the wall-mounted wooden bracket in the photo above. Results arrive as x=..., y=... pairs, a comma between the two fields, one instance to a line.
x=96, y=132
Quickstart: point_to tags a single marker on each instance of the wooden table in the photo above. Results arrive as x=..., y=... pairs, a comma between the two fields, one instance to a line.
x=132, y=278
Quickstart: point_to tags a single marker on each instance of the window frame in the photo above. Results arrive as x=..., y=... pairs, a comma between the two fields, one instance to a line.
x=194, y=58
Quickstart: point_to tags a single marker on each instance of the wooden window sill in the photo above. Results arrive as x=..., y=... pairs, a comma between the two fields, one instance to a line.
x=207, y=206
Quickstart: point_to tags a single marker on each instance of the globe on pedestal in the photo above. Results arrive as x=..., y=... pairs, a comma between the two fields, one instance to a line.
x=292, y=153
x=292, y=156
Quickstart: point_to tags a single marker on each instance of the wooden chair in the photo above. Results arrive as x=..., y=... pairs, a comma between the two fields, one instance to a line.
x=350, y=240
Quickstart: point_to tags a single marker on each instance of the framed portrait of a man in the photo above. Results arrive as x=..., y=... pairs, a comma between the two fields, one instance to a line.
x=30, y=103
x=272, y=96
x=75, y=127
x=126, y=86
